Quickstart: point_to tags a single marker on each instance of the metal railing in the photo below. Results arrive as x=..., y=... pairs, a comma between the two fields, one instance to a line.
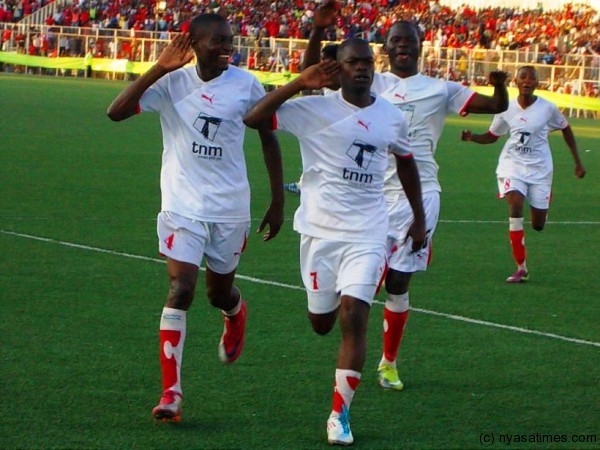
x=578, y=73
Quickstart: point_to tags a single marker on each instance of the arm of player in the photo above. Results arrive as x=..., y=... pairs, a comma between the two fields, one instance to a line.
x=315, y=77
x=569, y=138
x=324, y=17
x=497, y=103
x=272, y=156
x=175, y=55
x=486, y=138
x=411, y=183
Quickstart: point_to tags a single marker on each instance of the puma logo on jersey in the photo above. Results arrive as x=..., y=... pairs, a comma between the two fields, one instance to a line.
x=365, y=125
x=401, y=97
x=206, y=97
x=523, y=119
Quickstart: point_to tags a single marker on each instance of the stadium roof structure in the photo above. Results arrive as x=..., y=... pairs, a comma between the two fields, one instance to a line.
x=547, y=5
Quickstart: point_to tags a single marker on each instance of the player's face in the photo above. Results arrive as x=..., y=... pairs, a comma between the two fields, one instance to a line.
x=526, y=81
x=214, y=46
x=357, y=66
x=403, y=47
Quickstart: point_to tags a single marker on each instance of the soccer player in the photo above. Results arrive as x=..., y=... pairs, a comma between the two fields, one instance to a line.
x=329, y=53
x=344, y=139
x=525, y=165
x=205, y=210
x=426, y=102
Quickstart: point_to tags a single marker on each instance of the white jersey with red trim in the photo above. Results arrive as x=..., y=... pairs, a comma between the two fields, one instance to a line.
x=526, y=154
x=426, y=102
x=344, y=158
x=203, y=173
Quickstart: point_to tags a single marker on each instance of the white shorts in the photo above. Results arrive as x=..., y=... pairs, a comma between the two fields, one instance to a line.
x=399, y=249
x=188, y=240
x=331, y=269
x=537, y=195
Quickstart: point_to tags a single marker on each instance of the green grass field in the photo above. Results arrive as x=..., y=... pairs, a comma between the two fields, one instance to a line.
x=82, y=291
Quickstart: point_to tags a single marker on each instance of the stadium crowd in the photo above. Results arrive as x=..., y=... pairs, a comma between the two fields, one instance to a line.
x=575, y=28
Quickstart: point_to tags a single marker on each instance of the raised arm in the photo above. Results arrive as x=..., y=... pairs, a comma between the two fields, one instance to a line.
x=272, y=156
x=569, y=138
x=486, y=138
x=411, y=183
x=497, y=103
x=315, y=77
x=175, y=55
x=324, y=17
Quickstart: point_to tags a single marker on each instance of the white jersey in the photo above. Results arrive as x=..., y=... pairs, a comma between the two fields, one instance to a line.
x=344, y=158
x=426, y=102
x=526, y=154
x=203, y=173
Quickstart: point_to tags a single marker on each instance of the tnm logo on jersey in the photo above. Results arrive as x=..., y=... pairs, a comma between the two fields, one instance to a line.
x=522, y=146
x=207, y=151
x=362, y=154
x=207, y=126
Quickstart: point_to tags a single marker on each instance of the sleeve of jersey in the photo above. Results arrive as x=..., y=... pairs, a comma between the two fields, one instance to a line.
x=557, y=120
x=499, y=126
x=459, y=97
x=296, y=116
x=153, y=97
x=257, y=91
x=401, y=146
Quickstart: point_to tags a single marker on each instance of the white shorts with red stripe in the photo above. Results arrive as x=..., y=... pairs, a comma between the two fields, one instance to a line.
x=399, y=248
x=538, y=195
x=189, y=240
x=331, y=269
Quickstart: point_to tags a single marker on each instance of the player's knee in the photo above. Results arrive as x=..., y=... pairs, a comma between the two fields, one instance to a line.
x=322, y=324
x=217, y=297
x=181, y=293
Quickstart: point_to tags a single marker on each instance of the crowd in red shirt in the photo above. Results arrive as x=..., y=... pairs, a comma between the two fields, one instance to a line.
x=571, y=29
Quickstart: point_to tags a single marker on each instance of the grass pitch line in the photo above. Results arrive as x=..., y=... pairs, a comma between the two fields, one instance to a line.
x=300, y=288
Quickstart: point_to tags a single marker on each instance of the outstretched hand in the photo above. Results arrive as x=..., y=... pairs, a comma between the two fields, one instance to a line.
x=326, y=14
x=320, y=75
x=579, y=171
x=497, y=78
x=177, y=54
x=466, y=135
x=273, y=218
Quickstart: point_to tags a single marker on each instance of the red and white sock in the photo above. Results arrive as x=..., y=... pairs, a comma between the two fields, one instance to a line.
x=395, y=315
x=346, y=382
x=517, y=241
x=172, y=338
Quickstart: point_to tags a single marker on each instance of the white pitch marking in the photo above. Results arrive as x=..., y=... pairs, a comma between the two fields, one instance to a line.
x=300, y=288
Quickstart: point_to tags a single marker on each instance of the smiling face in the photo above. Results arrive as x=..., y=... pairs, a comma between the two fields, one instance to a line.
x=526, y=80
x=212, y=42
x=357, y=65
x=403, y=47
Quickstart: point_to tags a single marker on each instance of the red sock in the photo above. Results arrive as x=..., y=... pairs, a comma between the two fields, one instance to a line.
x=172, y=338
x=517, y=241
x=393, y=329
x=346, y=382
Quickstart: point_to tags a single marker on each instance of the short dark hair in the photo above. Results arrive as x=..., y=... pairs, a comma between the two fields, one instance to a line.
x=329, y=52
x=409, y=24
x=202, y=22
x=531, y=68
x=351, y=42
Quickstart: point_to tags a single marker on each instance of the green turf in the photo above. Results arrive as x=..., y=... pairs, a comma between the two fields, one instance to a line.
x=79, y=326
